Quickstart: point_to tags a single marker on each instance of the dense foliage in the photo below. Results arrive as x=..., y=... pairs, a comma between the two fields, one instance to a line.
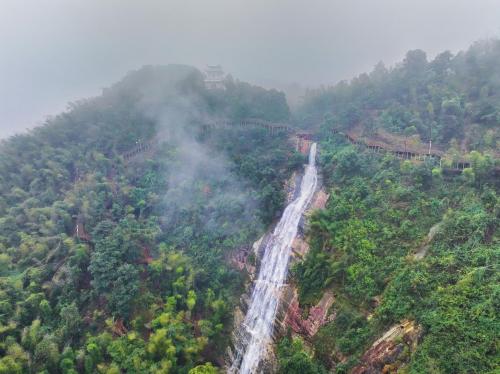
x=363, y=246
x=407, y=240
x=293, y=359
x=112, y=266
x=114, y=262
x=451, y=97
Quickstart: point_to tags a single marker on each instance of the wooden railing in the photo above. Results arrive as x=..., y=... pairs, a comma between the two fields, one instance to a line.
x=403, y=153
x=140, y=148
x=273, y=128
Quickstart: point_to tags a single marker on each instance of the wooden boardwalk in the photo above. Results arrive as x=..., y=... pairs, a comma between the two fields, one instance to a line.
x=403, y=154
x=139, y=149
x=284, y=129
x=274, y=128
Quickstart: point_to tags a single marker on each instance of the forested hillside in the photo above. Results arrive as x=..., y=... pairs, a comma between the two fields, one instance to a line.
x=111, y=265
x=453, y=100
x=401, y=244
x=120, y=216
x=370, y=247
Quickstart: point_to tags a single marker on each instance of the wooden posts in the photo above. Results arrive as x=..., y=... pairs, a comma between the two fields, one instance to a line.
x=403, y=154
x=140, y=148
x=272, y=128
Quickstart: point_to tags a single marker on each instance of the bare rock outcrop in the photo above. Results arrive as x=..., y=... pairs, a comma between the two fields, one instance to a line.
x=392, y=351
x=422, y=251
x=317, y=317
x=320, y=199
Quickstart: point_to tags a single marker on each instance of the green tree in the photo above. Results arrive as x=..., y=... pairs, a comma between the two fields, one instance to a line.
x=207, y=368
x=294, y=360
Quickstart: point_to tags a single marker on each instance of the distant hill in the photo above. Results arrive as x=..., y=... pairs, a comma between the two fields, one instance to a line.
x=453, y=100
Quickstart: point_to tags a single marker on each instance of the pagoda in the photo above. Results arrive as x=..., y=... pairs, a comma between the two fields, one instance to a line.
x=214, y=77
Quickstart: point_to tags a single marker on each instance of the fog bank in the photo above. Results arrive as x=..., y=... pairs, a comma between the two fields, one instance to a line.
x=54, y=51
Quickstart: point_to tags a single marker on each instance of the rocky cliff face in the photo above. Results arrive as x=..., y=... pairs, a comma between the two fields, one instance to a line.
x=392, y=351
x=318, y=315
x=247, y=260
x=289, y=312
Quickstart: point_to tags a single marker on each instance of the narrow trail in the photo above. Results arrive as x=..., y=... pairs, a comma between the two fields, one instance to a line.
x=255, y=334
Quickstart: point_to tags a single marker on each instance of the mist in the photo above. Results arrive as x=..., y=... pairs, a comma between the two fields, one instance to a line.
x=194, y=171
x=56, y=51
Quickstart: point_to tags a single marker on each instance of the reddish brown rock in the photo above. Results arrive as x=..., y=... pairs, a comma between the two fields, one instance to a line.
x=303, y=142
x=388, y=354
x=146, y=256
x=300, y=247
x=239, y=259
x=293, y=317
x=320, y=199
x=119, y=328
x=318, y=315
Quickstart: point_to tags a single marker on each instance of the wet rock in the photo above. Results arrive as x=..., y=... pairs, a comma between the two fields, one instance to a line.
x=299, y=248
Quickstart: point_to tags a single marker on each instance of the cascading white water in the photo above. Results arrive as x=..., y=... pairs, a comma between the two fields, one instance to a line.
x=256, y=331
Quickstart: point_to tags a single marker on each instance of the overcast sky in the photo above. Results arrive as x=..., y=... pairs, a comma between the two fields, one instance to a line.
x=55, y=51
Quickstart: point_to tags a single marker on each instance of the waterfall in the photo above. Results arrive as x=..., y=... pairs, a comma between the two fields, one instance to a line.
x=257, y=328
